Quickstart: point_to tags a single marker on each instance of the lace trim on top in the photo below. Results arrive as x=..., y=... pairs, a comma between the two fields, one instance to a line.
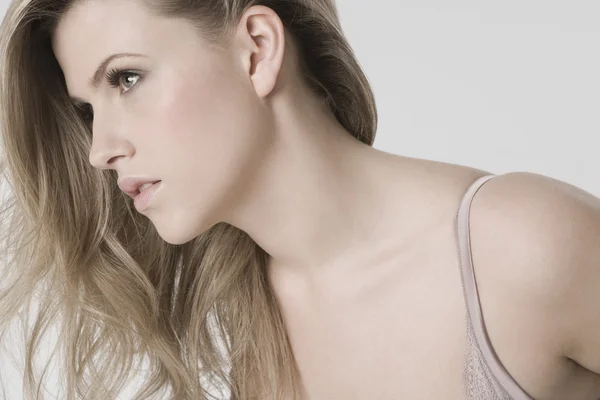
x=479, y=382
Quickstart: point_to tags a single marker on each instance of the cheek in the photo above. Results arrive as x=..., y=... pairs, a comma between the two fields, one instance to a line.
x=211, y=114
x=177, y=112
x=190, y=109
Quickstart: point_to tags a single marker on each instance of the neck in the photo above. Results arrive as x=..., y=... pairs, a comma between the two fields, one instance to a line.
x=317, y=199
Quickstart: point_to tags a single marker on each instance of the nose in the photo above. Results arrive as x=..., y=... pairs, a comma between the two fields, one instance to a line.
x=104, y=152
x=108, y=144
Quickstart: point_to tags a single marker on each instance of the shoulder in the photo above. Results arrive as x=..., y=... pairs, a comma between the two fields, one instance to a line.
x=534, y=225
x=536, y=252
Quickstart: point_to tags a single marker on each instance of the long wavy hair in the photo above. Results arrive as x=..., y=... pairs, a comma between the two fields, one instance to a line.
x=76, y=254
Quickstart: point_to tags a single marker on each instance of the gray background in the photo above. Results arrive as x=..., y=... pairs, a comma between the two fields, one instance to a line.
x=502, y=86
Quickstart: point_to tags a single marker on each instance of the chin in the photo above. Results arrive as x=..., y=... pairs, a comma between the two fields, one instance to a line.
x=179, y=236
x=176, y=241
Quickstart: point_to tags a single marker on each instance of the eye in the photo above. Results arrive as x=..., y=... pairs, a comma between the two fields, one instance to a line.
x=115, y=75
x=115, y=78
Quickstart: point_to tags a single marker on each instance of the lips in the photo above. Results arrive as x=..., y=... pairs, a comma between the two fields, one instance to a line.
x=131, y=185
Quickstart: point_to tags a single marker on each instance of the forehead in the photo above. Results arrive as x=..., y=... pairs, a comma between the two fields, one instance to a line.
x=94, y=29
x=96, y=26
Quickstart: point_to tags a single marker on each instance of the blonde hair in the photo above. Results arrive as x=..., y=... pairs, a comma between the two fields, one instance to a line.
x=202, y=313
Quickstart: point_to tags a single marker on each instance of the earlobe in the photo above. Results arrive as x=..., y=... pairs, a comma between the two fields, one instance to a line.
x=267, y=36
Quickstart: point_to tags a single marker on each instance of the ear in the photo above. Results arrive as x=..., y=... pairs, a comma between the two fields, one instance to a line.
x=262, y=38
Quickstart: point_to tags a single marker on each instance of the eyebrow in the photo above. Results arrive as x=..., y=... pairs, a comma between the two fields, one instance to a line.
x=95, y=80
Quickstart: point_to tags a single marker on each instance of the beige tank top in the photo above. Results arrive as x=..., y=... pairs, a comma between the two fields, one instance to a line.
x=485, y=378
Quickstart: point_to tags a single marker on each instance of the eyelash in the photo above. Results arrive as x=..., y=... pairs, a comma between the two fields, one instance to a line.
x=113, y=77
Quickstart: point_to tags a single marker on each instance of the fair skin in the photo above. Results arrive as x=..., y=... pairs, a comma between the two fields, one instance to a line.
x=361, y=242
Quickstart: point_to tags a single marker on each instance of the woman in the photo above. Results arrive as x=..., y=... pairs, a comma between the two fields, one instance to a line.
x=271, y=250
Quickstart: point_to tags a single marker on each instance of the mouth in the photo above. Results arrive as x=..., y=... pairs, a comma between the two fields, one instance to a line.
x=144, y=197
x=144, y=187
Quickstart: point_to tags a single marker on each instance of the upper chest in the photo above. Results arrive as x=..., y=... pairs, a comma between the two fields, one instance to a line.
x=396, y=331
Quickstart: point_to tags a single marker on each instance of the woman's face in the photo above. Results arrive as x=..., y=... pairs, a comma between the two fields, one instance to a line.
x=185, y=114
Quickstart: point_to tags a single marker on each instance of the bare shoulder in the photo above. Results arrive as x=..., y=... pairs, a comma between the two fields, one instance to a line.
x=529, y=235
x=529, y=220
